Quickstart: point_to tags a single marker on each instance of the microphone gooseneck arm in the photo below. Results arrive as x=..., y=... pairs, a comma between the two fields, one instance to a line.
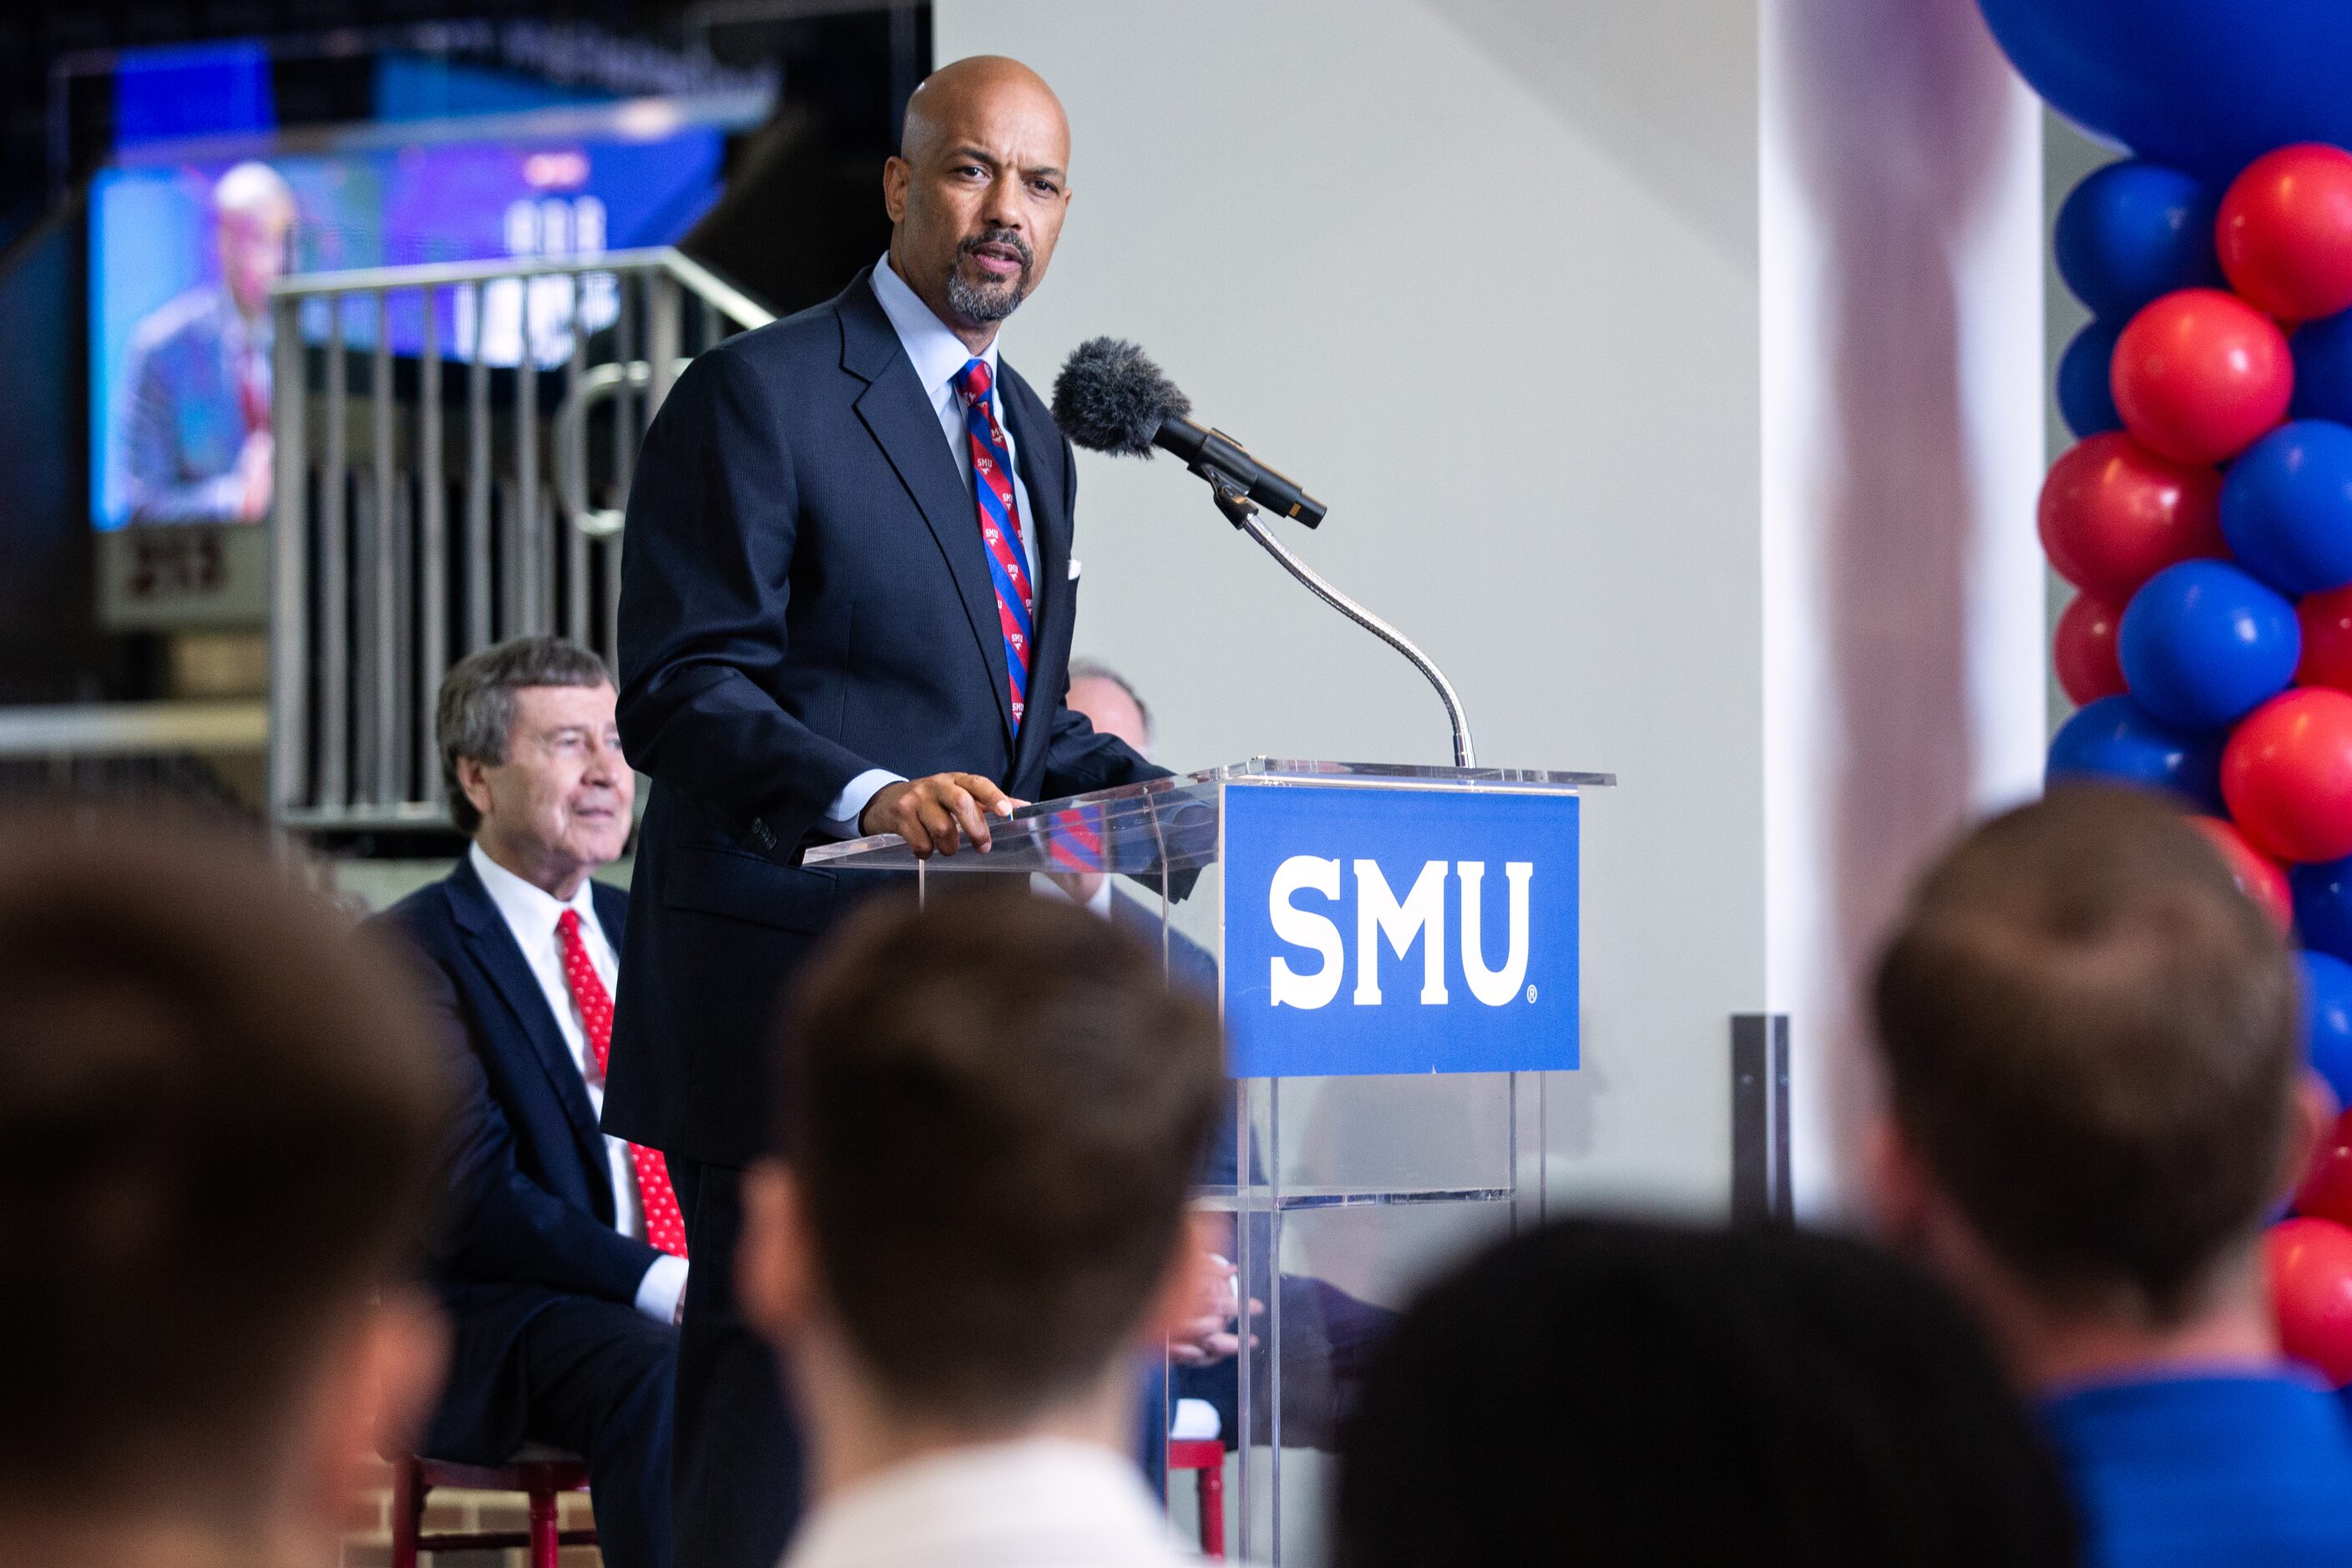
x=1232, y=500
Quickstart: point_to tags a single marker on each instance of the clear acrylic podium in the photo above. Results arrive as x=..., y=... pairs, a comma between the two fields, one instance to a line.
x=1344, y=1188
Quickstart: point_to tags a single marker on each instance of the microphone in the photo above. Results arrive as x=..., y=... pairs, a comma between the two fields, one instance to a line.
x=1111, y=398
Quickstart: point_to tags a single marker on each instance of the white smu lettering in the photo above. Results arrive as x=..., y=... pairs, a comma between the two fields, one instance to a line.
x=1419, y=917
x=1422, y=915
x=1495, y=987
x=1301, y=929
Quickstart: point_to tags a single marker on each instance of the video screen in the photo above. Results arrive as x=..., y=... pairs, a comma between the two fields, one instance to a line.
x=183, y=255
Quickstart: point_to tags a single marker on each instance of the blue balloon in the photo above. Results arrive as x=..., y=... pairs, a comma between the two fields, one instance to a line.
x=2323, y=369
x=2322, y=907
x=2327, y=1020
x=2086, y=400
x=2286, y=507
x=2202, y=644
x=2117, y=741
x=2201, y=85
x=2132, y=231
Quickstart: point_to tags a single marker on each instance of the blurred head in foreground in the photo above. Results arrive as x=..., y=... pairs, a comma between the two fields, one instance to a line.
x=217, y=1119
x=1611, y=1393
x=996, y=1108
x=2096, y=1092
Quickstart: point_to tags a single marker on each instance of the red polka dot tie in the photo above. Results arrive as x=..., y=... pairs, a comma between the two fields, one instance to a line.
x=665, y=1226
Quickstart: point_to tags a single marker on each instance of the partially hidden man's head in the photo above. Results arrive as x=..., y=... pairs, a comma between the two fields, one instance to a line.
x=1110, y=703
x=994, y=1110
x=219, y=1115
x=2092, y=1048
x=253, y=212
x=531, y=751
x=979, y=188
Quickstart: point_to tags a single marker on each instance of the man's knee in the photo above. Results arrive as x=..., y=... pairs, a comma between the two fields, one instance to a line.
x=645, y=1368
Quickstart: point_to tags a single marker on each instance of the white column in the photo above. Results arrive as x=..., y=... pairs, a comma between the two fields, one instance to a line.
x=1902, y=435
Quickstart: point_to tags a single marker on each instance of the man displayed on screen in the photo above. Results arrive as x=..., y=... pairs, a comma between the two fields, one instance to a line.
x=193, y=443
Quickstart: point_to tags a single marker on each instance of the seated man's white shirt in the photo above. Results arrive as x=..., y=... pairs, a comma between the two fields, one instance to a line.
x=1043, y=1503
x=532, y=914
x=1049, y=884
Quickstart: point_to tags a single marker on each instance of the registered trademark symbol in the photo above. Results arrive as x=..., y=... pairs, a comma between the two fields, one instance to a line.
x=1531, y=993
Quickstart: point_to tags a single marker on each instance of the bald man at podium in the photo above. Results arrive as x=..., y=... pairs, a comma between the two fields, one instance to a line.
x=845, y=609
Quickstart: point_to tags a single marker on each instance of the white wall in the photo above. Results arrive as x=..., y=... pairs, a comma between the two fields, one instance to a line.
x=1565, y=309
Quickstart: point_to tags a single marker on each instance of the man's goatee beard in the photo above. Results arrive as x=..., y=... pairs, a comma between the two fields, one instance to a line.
x=976, y=303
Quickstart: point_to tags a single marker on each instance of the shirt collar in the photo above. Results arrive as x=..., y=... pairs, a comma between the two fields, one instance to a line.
x=2227, y=1415
x=530, y=912
x=982, y=1503
x=937, y=355
x=238, y=333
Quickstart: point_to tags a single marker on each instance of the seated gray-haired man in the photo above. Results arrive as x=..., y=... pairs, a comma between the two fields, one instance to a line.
x=562, y=1260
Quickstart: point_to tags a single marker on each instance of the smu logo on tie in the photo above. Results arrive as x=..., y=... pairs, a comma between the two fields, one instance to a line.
x=1374, y=930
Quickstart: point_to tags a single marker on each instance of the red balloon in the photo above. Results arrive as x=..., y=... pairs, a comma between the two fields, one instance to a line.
x=2326, y=1189
x=2084, y=649
x=2260, y=878
x=2199, y=374
x=2285, y=231
x=2310, y=1268
x=2112, y=514
x=2287, y=776
x=2327, y=639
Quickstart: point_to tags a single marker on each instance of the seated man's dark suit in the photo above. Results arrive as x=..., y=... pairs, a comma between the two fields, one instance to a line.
x=805, y=596
x=538, y=1285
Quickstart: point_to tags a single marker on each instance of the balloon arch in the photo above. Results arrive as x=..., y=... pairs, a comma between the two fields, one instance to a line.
x=2204, y=517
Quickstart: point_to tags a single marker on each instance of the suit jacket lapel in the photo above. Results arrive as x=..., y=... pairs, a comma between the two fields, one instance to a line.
x=1039, y=455
x=898, y=415
x=493, y=947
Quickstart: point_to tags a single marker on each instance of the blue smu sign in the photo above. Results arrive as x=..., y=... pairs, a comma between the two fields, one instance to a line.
x=1373, y=930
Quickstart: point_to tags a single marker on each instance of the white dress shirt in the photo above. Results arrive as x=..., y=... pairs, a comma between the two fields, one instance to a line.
x=532, y=914
x=1043, y=1503
x=939, y=357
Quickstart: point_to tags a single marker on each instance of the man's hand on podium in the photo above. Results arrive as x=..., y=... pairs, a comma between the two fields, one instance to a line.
x=934, y=815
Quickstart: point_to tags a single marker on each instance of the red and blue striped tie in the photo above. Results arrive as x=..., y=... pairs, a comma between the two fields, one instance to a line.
x=1000, y=524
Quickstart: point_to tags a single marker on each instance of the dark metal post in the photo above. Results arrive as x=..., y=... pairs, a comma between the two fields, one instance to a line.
x=1759, y=1119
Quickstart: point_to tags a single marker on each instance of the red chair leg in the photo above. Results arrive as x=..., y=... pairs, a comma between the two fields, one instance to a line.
x=1211, y=1482
x=407, y=1511
x=543, y=1542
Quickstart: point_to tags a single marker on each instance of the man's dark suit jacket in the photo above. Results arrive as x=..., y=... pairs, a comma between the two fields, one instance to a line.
x=804, y=595
x=530, y=1208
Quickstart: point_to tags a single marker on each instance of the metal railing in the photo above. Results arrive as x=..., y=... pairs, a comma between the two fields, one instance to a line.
x=199, y=755
x=453, y=445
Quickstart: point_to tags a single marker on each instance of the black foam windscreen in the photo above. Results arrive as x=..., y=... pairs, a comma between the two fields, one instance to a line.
x=1111, y=398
